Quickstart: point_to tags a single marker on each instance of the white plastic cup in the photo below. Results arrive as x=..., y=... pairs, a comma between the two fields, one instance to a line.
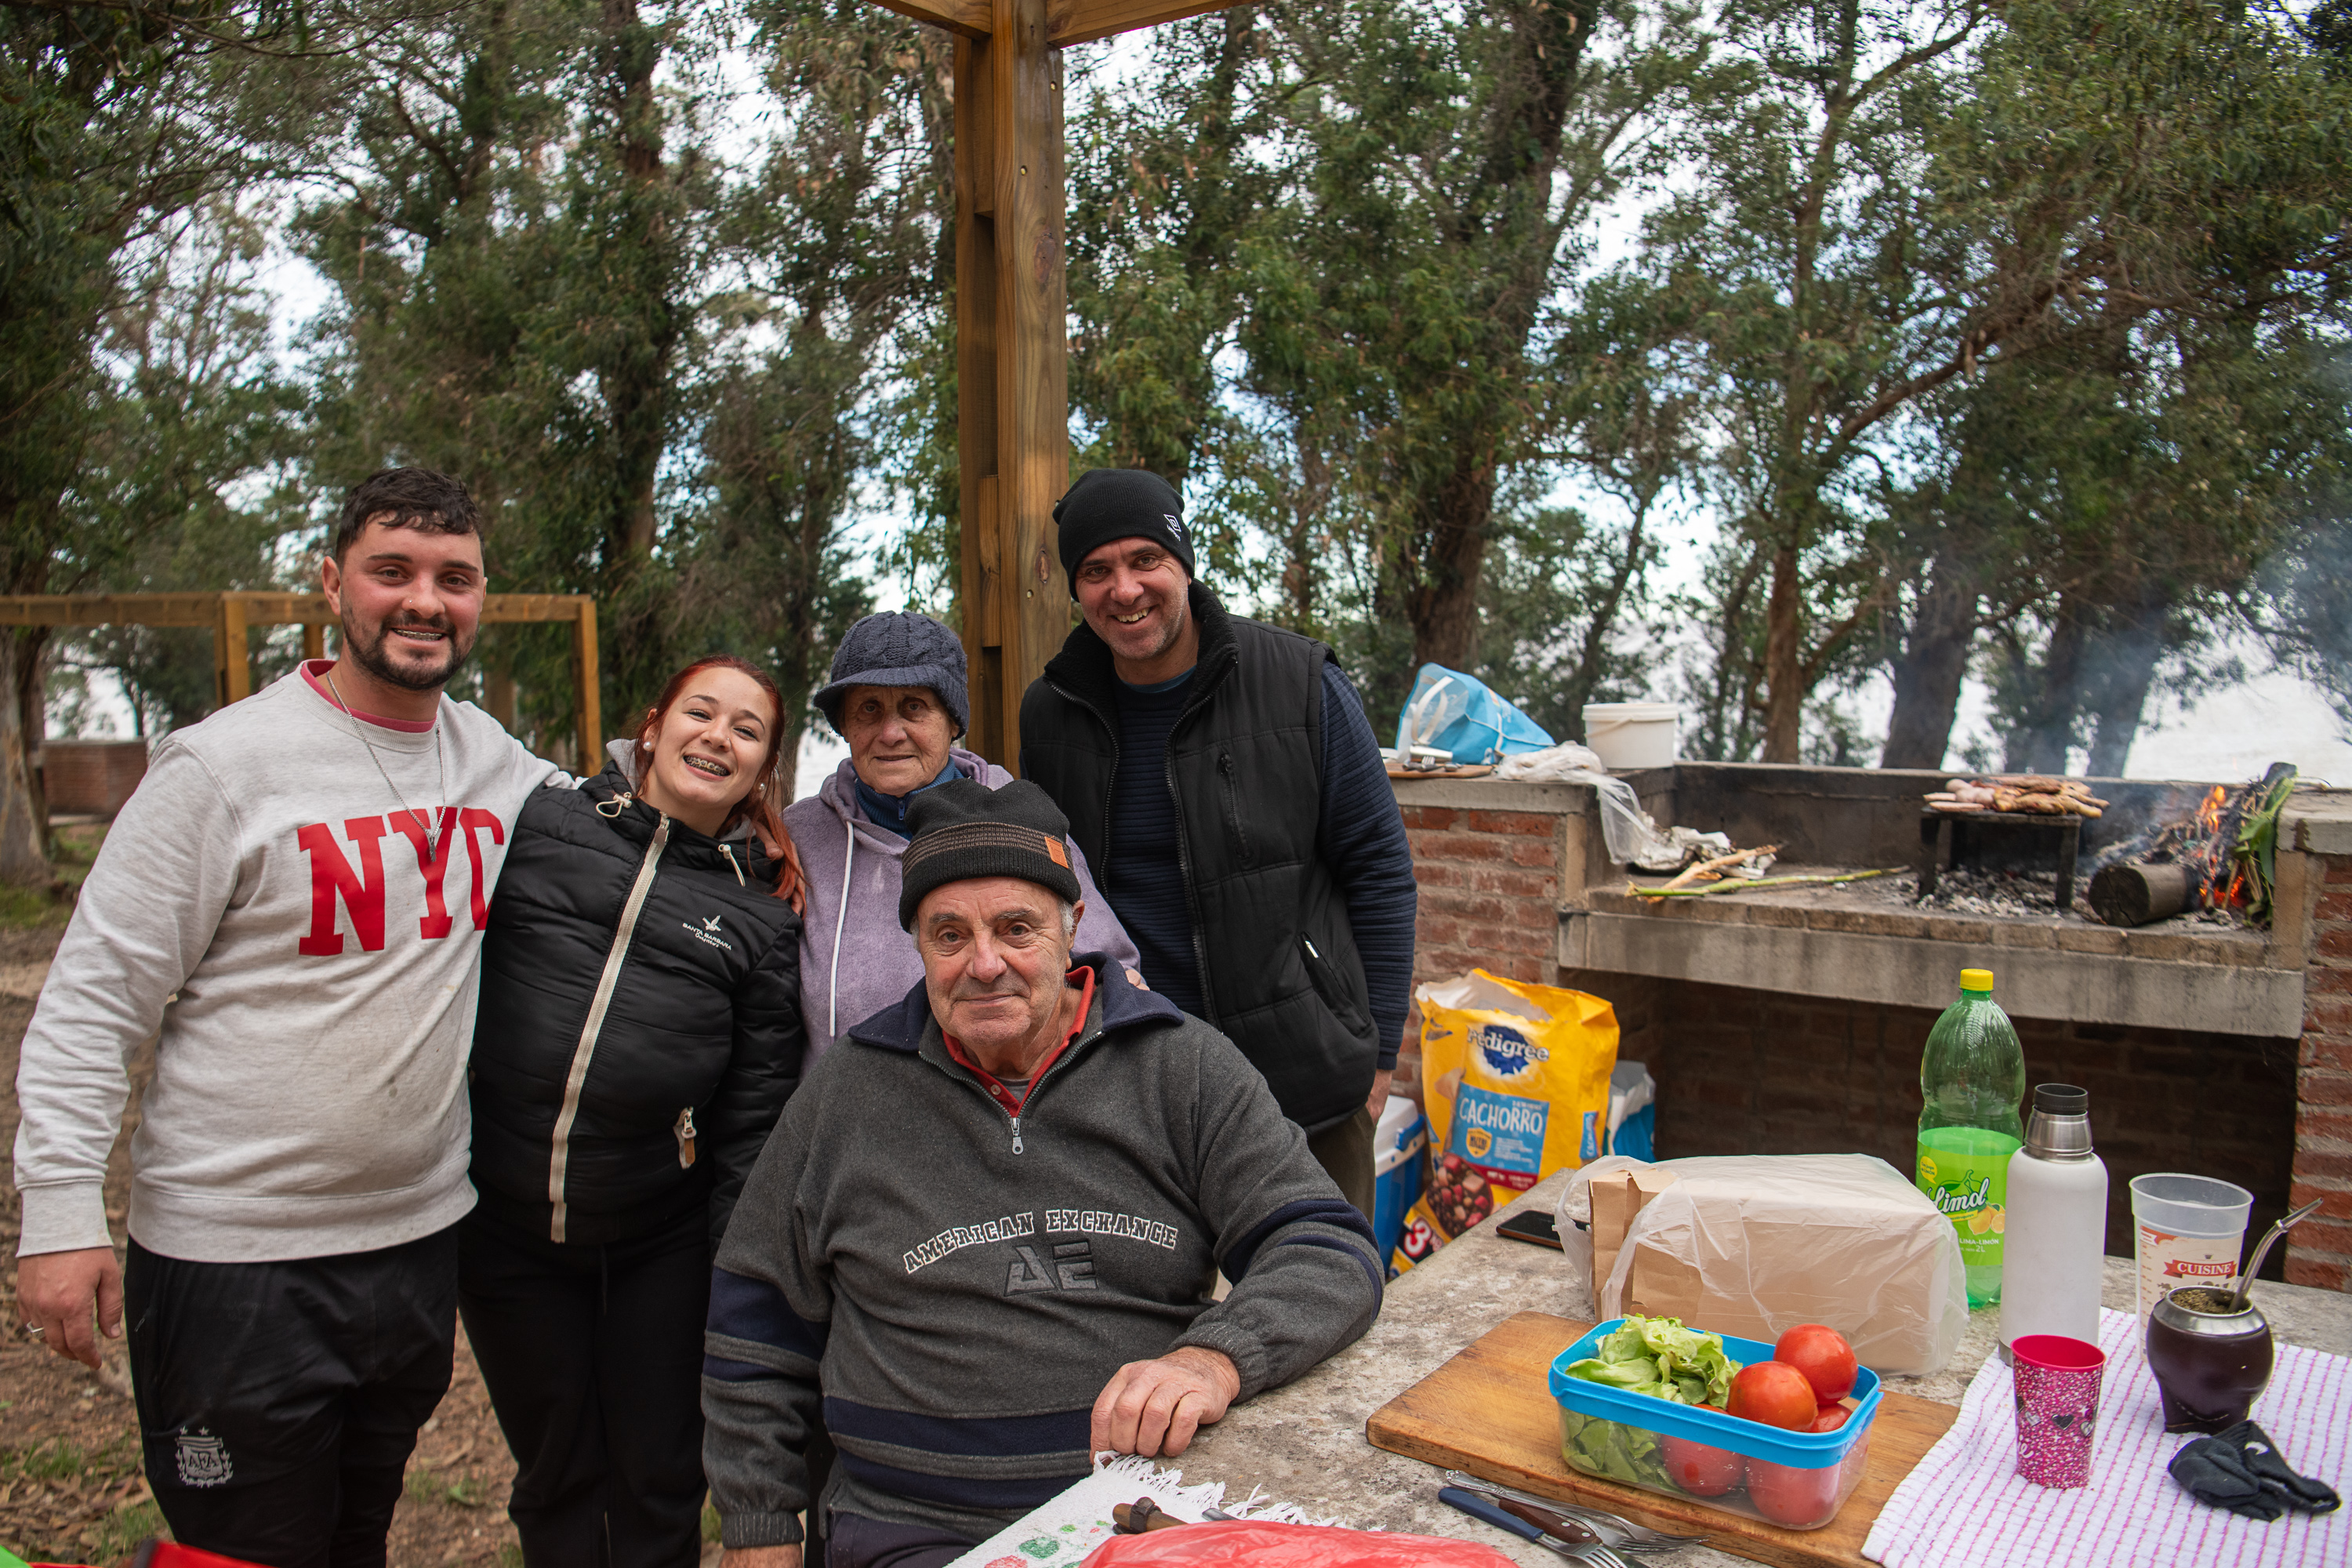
x=2186, y=1230
x=1629, y=735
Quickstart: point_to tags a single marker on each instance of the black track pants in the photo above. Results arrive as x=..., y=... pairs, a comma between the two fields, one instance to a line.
x=592, y=1355
x=279, y=1402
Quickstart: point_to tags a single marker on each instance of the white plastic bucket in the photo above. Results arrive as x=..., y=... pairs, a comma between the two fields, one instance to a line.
x=1629, y=735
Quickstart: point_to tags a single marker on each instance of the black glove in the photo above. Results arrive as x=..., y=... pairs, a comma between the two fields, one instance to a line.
x=2241, y=1469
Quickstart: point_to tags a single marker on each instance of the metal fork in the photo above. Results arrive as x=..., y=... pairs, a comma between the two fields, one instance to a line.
x=1636, y=1535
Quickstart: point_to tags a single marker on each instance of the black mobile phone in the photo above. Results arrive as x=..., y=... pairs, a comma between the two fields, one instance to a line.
x=1535, y=1225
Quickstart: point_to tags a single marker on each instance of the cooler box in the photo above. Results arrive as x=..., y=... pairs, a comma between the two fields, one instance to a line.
x=1632, y=1110
x=1396, y=1143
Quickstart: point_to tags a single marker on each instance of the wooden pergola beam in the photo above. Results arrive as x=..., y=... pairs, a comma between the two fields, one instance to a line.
x=1084, y=21
x=1013, y=404
x=1066, y=22
x=230, y=614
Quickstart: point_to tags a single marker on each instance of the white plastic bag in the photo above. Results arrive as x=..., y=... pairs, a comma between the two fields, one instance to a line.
x=1753, y=1245
x=1625, y=827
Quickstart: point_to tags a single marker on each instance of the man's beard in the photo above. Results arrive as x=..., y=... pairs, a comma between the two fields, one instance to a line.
x=1171, y=627
x=369, y=655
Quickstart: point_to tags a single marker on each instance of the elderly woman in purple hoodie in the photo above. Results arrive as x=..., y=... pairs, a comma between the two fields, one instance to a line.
x=896, y=695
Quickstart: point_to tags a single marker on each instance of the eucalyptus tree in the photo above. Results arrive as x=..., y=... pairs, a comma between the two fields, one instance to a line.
x=853, y=198
x=2165, y=182
x=114, y=119
x=1318, y=259
x=520, y=248
x=189, y=458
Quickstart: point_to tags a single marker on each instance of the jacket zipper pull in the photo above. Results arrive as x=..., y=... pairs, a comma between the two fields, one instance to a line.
x=1016, y=1133
x=685, y=1131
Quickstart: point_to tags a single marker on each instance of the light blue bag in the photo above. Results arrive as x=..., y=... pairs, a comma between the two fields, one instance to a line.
x=1457, y=713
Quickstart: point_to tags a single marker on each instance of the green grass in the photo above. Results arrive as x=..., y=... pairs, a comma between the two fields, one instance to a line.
x=71, y=851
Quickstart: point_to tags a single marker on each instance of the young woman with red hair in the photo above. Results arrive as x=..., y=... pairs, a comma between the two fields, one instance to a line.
x=639, y=1032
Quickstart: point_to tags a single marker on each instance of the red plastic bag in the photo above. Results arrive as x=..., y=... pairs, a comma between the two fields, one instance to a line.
x=1263, y=1545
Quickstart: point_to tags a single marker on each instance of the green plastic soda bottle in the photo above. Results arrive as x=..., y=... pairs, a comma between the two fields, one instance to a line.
x=1973, y=1081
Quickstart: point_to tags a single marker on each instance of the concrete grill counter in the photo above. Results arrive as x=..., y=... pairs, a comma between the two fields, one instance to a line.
x=1306, y=1444
x=1792, y=1021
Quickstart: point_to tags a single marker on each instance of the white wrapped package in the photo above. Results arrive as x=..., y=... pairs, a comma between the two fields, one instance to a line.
x=1754, y=1244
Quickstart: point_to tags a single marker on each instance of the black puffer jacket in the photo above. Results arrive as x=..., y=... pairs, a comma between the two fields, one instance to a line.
x=694, y=1052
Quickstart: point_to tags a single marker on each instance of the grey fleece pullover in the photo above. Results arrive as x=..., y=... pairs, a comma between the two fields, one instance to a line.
x=962, y=1288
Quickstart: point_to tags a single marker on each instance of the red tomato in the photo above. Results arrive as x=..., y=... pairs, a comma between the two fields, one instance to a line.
x=1787, y=1495
x=1774, y=1392
x=1822, y=1355
x=1700, y=1470
x=1829, y=1418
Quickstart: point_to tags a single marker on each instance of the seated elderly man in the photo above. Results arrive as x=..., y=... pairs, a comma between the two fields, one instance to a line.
x=981, y=1243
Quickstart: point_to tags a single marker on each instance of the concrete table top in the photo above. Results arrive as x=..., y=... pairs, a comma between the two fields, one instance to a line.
x=1304, y=1444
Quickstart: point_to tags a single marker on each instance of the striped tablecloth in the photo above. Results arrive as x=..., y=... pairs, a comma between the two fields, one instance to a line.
x=1964, y=1503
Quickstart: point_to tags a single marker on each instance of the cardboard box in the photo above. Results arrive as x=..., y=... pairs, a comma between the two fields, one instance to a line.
x=1755, y=1245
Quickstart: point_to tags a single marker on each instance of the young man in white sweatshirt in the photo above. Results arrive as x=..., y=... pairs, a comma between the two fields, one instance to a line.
x=295, y=898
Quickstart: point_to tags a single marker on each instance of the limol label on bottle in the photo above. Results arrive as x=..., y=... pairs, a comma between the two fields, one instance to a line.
x=1963, y=1170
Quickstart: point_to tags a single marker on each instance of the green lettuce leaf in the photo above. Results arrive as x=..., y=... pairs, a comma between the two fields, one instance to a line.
x=1660, y=1357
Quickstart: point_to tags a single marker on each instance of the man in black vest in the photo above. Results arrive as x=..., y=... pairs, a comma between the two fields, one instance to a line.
x=1222, y=780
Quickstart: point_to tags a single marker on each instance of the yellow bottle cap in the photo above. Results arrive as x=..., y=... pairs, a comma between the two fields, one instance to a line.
x=1976, y=980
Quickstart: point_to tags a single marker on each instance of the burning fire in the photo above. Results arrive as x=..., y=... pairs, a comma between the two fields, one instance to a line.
x=2209, y=850
x=2207, y=844
x=2223, y=845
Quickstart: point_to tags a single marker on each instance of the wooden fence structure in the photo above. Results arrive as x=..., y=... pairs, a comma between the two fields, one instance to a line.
x=231, y=614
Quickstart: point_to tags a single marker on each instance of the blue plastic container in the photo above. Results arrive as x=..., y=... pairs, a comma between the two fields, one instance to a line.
x=1791, y=1501
x=1398, y=1141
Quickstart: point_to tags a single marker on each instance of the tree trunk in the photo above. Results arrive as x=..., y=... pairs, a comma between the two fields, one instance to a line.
x=1784, y=656
x=786, y=788
x=2040, y=741
x=2123, y=670
x=1929, y=671
x=23, y=822
x=1443, y=603
x=1301, y=583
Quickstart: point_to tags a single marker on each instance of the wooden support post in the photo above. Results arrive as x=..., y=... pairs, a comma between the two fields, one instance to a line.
x=1011, y=366
x=314, y=640
x=232, y=660
x=592, y=718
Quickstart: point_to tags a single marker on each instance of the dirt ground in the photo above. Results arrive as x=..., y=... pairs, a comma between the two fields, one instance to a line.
x=70, y=1485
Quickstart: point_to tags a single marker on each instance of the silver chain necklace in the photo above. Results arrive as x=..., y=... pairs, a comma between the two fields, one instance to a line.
x=440, y=767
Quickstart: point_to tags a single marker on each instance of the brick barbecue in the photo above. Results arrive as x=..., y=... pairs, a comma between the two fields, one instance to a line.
x=1792, y=1021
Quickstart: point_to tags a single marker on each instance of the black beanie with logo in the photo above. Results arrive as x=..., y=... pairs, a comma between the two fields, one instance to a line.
x=1106, y=504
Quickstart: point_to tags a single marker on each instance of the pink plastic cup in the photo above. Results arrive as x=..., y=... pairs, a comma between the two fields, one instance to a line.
x=2057, y=1407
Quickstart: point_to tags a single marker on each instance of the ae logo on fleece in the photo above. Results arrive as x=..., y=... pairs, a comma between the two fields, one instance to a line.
x=360, y=890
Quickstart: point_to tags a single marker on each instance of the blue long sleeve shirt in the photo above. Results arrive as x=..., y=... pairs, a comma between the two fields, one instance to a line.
x=1361, y=837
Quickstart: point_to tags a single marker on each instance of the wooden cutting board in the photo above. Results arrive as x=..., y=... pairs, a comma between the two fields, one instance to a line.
x=1489, y=1411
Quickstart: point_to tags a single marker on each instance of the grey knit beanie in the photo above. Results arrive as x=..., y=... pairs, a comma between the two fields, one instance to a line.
x=898, y=648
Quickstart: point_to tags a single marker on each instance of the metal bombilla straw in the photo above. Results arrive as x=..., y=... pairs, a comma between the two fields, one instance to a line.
x=2270, y=1238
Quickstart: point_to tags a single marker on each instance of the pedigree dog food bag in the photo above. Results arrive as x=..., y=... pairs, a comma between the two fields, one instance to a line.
x=1517, y=1079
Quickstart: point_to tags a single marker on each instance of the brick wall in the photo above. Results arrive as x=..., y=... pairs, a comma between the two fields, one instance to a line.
x=2319, y=1251
x=1755, y=1072
x=1489, y=899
